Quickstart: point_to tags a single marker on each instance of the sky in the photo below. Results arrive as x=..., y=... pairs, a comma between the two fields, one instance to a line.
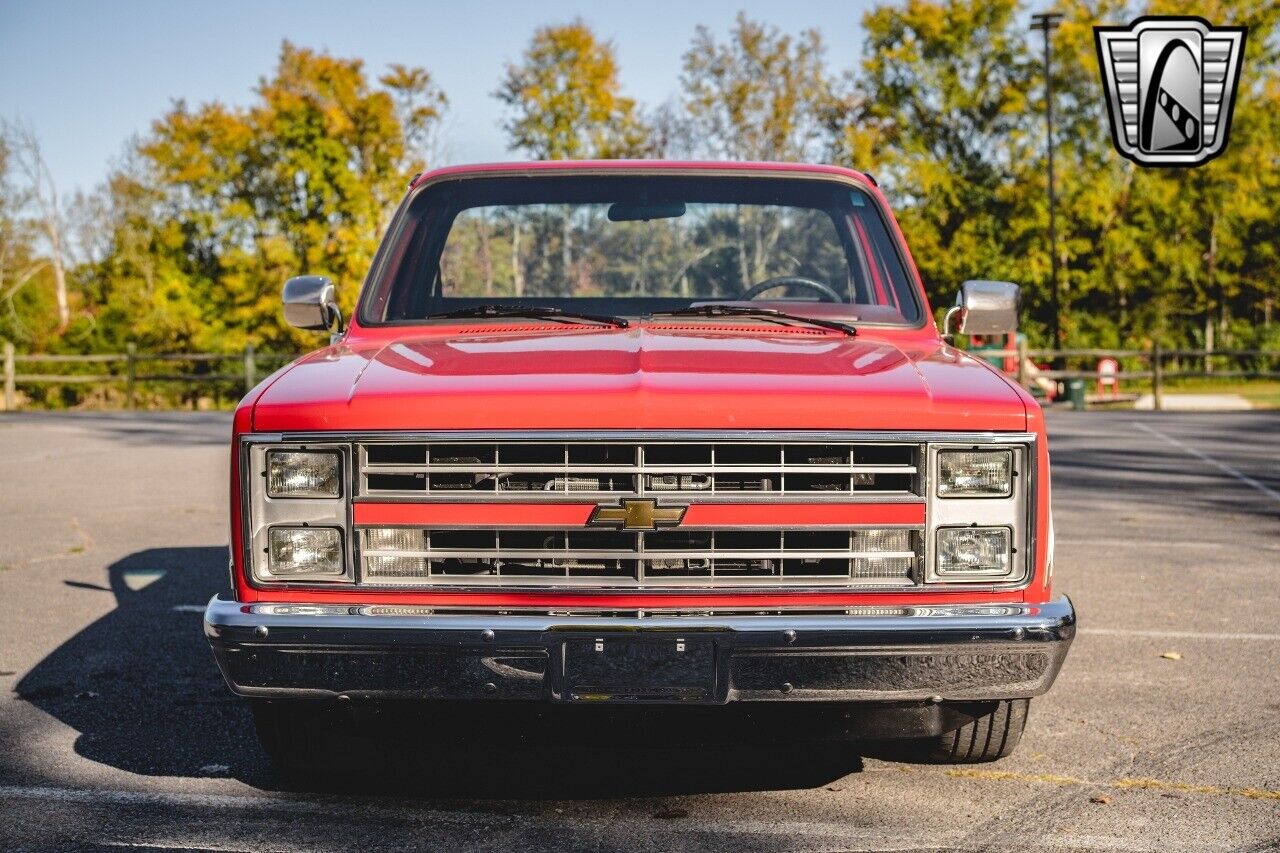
x=89, y=76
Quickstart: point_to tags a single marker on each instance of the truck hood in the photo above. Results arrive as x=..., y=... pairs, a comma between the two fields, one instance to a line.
x=641, y=378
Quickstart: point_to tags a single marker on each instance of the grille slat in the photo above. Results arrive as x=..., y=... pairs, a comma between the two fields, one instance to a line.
x=551, y=471
x=504, y=556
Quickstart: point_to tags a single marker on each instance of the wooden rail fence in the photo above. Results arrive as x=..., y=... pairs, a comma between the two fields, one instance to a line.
x=1186, y=364
x=244, y=369
x=1160, y=366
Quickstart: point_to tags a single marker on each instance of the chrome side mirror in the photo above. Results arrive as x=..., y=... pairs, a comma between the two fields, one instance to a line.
x=310, y=302
x=985, y=308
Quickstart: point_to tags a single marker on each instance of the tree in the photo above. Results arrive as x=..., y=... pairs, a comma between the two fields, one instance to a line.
x=19, y=263
x=762, y=95
x=564, y=99
x=941, y=120
x=39, y=202
x=219, y=205
x=420, y=107
x=947, y=108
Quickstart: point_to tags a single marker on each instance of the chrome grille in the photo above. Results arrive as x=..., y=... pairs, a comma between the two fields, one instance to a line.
x=537, y=470
x=476, y=557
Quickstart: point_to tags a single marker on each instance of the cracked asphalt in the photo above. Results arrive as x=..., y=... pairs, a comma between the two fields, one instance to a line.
x=1162, y=733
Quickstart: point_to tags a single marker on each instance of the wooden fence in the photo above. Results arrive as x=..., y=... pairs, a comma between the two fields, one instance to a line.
x=131, y=368
x=1156, y=365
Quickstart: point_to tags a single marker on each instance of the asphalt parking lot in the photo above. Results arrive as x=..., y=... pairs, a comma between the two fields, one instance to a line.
x=1162, y=733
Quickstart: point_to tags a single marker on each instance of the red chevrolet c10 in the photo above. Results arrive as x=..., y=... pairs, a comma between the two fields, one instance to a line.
x=645, y=432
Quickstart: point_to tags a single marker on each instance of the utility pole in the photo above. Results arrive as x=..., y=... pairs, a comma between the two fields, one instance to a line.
x=1046, y=22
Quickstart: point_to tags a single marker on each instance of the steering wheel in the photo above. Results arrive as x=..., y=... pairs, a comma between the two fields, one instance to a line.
x=827, y=294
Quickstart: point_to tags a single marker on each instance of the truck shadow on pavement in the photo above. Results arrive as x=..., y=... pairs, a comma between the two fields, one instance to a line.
x=140, y=687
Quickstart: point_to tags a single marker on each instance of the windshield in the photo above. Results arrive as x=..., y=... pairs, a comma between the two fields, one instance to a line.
x=636, y=245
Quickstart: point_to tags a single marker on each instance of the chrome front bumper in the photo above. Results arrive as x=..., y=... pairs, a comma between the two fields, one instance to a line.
x=909, y=654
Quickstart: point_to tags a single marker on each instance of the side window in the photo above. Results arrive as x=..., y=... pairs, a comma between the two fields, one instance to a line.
x=889, y=284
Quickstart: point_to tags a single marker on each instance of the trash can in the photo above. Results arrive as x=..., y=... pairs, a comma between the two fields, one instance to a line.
x=1075, y=393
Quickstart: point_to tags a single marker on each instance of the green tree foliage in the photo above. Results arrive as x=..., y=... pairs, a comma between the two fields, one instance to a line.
x=564, y=99
x=220, y=205
x=947, y=109
x=761, y=95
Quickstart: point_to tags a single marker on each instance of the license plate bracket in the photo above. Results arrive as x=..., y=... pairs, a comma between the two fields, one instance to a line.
x=657, y=667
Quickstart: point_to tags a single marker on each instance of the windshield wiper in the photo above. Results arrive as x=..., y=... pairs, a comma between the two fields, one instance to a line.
x=714, y=310
x=483, y=311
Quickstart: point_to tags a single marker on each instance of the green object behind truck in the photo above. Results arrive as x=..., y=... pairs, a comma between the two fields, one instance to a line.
x=1075, y=393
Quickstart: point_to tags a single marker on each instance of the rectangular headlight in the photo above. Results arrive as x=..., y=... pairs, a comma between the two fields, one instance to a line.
x=303, y=474
x=975, y=473
x=966, y=553
x=304, y=551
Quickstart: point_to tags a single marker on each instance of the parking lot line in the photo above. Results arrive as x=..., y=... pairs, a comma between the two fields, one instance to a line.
x=1178, y=635
x=1209, y=460
x=1126, y=784
x=1166, y=544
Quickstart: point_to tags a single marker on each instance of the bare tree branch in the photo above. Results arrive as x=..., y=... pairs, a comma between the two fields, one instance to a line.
x=42, y=199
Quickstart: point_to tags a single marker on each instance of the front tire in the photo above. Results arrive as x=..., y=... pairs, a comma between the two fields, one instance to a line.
x=986, y=738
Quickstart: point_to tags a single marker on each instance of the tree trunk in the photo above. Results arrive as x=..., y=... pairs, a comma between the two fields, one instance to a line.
x=1208, y=342
x=566, y=251
x=486, y=260
x=1212, y=260
x=59, y=274
x=684, y=274
x=517, y=271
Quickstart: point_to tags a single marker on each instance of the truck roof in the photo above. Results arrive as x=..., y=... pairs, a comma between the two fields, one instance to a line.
x=637, y=166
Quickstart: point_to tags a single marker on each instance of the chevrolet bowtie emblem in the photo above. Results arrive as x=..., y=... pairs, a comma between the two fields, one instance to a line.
x=639, y=514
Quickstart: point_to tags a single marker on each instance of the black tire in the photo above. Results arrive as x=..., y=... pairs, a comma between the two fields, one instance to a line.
x=985, y=738
x=290, y=732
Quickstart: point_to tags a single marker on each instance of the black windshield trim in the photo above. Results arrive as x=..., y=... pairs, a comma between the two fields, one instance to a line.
x=376, y=277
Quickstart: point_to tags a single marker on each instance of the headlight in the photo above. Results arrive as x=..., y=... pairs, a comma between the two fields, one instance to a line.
x=303, y=474
x=975, y=473
x=966, y=553
x=304, y=551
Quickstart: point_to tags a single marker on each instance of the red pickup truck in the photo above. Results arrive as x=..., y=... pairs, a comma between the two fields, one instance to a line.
x=644, y=432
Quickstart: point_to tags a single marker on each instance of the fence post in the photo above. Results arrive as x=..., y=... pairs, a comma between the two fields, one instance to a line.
x=10, y=391
x=130, y=374
x=250, y=369
x=1022, y=361
x=1157, y=378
